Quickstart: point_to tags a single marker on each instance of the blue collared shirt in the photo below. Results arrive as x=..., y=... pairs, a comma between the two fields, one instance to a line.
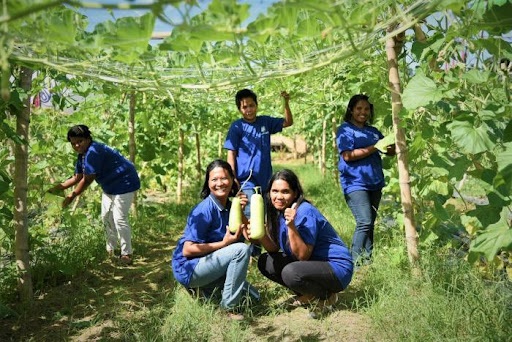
x=206, y=223
x=314, y=229
x=251, y=141
x=362, y=174
x=114, y=173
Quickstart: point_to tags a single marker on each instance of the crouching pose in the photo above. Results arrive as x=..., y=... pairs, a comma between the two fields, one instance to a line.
x=208, y=256
x=305, y=254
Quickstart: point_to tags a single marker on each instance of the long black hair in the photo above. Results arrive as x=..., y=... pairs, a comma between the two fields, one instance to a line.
x=353, y=102
x=79, y=131
x=272, y=213
x=205, y=192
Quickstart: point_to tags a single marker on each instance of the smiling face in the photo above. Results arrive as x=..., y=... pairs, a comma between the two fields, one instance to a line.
x=220, y=183
x=79, y=144
x=360, y=113
x=281, y=195
x=248, y=108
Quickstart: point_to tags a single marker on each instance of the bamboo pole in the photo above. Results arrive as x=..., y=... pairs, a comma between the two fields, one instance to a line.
x=132, y=145
x=198, y=153
x=181, y=153
x=324, y=146
x=220, y=145
x=392, y=45
x=20, y=192
x=335, y=150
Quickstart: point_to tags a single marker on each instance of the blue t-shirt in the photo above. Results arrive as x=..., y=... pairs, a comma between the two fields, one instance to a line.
x=314, y=229
x=251, y=141
x=363, y=174
x=206, y=223
x=114, y=173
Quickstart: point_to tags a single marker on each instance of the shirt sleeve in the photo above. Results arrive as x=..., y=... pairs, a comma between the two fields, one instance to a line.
x=197, y=226
x=275, y=124
x=307, y=228
x=233, y=137
x=344, y=139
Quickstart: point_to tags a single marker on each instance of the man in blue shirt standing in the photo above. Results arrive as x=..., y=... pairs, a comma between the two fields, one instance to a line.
x=248, y=143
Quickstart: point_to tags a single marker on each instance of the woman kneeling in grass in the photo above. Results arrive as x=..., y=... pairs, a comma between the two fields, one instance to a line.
x=305, y=253
x=208, y=256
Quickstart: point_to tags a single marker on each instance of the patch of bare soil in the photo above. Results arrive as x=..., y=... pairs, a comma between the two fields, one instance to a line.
x=86, y=308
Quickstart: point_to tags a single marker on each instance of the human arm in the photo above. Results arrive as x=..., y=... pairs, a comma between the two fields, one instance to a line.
x=299, y=248
x=232, y=162
x=83, y=183
x=193, y=249
x=358, y=153
x=288, y=118
x=66, y=184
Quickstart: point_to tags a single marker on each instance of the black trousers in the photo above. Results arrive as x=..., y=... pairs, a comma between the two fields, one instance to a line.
x=302, y=277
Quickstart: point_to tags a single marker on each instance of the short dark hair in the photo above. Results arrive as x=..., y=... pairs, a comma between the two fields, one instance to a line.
x=353, y=102
x=79, y=131
x=293, y=181
x=205, y=192
x=243, y=94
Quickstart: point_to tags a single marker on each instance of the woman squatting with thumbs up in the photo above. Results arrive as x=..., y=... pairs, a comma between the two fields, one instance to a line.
x=304, y=252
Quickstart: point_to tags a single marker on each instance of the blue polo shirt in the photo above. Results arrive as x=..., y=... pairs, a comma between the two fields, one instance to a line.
x=314, y=229
x=206, y=223
x=363, y=174
x=114, y=173
x=251, y=141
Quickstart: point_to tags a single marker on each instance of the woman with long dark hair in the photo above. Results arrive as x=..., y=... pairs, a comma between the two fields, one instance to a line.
x=304, y=252
x=209, y=256
x=361, y=173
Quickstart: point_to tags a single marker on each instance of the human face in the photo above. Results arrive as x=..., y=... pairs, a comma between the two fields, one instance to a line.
x=248, y=108
x=220, y=183
x=281, y=195
x=79, y=144
x=360, y=113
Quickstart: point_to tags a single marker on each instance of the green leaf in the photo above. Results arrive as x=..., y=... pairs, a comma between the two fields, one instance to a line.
x=476, y=76
x=469, y=138
x=494, y=238
x=507, y=133
x=504, y=160
x=420, y=91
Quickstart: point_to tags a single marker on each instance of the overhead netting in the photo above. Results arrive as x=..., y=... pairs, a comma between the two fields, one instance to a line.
x=212, y=49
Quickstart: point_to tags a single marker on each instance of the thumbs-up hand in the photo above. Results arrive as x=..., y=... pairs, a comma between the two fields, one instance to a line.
x=290, y=213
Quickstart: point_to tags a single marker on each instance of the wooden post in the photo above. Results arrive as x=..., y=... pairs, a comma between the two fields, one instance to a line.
x=392, y=45
x=181, y=154
x=324, y=146
x=20, y=192
x=198, y=163
x=335, y=150
x=220, y=145
x=132, y=146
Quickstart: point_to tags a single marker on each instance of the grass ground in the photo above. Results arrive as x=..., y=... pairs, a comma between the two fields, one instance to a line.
x=445, y=300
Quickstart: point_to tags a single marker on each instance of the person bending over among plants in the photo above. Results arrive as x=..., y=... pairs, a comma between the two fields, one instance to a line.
x=208, y=256
x=248, y=144
x=304, y=252
x=117, y=177
x=360, y=167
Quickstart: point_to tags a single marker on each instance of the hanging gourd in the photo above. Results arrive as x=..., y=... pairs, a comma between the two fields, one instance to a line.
x=235, y=214
x=257, y=215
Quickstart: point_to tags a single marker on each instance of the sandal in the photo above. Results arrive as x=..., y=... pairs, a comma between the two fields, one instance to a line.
x=126, y=259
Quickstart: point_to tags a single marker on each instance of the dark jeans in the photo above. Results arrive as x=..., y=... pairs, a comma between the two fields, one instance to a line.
x=364, y=206
x=302, y=277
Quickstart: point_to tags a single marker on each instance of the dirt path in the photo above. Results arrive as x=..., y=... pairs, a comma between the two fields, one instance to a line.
x=87, y=308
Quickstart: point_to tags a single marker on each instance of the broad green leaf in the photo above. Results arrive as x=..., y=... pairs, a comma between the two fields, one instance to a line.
x=469, y=138
x=504, y=160
x=476, y=76
x=211, y=33
x=507, y=133
x=62, y=27
x=494, y=238
x=420, y=91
